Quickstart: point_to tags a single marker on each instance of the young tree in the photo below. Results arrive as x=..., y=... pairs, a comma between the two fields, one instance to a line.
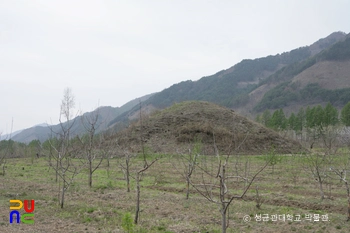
x=266, y=118
x=272, y=159
x=139, y=172
x=126, y=168
x=300, y=120
x=209, y=180
x=34, y=149
x=310, y=116
x=188, y=162
x=292, y=122
x=342, y=168
x=319, y=117
x=315, y=123
x=62, y=151
x=92, y=146
x=345, y=115
x=125, y=164
x=278, y=120
x=341, y=174
x=317, y=165
x=330, y=115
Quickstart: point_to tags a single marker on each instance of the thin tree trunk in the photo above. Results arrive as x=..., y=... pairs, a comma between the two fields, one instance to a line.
x=63, y=191
x=57, y=171
x=222, y=199
x=90, y=173
x=321, y=189
x=127, y=175
x=223, y=219
x=188, y=188
x=108, y=166
x=128, y=182
x=137, y=198
x=348, y=208
x=62, y=198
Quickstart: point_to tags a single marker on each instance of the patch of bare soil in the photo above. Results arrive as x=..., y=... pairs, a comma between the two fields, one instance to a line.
x=173, y=129
x=329, y=208
x=328, y=74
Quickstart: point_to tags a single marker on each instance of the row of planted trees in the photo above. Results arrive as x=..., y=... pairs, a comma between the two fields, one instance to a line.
x=310, y=117
x=331, y=133
x=68, y=155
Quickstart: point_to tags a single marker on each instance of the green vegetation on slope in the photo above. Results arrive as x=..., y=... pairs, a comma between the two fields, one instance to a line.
x=224, y=87
x=315, y=117
x=288, y=92
x=339, y=51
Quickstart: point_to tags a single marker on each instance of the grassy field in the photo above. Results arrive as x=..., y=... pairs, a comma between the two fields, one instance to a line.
x=287, y=190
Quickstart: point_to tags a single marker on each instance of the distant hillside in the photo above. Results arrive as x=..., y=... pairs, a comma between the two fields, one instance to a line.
x=322, y=78
x=242, y=86
x=10, y=135
x=105, y=116
x=227, y=86
x=133, y=104
x=175, y=128
x=40, y=133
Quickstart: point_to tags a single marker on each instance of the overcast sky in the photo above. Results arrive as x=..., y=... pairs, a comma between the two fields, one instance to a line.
x=109, y=52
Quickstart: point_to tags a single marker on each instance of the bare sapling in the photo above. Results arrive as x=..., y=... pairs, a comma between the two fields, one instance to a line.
x=125, y=163
x=140, y=171
x=62, y=149
x=92, y=145
x=215, y=186
x=317, y=165
x=258, y=199
x=330, y=139
x=106, y=150
x=188, y=163
x=341, y=173
x=342, y=168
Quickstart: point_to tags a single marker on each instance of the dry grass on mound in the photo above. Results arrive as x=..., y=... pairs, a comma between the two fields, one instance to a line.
x=174, y=128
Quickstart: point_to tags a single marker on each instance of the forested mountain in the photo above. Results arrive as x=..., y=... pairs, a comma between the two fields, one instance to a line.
x=244, y=85
x=322, y=78
x=228, y=87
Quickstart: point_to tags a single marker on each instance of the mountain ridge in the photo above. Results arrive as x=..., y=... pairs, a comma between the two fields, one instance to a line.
x=328, y=69
x=106, y=114
x=246, y=85
x=238, y=87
